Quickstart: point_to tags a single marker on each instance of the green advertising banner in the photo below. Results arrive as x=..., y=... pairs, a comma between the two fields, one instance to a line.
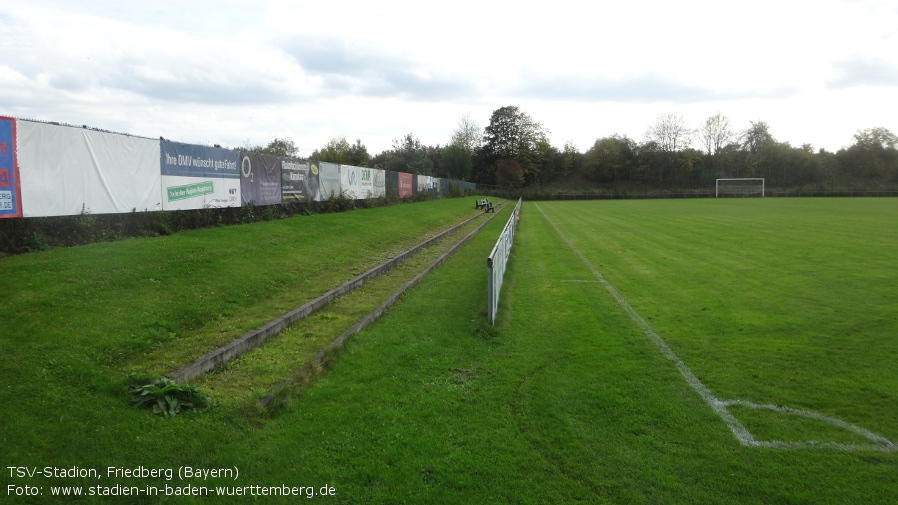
x=191, y=190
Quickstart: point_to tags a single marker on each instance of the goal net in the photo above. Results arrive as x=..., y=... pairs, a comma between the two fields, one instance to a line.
x=740, y=187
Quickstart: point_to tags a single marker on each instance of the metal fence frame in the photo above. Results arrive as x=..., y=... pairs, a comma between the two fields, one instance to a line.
x=497, y=260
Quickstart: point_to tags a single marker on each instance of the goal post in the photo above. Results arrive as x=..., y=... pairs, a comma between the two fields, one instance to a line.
x=745, y=186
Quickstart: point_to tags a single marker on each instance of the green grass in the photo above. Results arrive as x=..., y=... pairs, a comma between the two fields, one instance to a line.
x=565, y=402
x=78, y=323
x=256, y=373
x=788, y=302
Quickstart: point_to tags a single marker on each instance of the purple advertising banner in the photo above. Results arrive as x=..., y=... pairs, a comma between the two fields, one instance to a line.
x=260, y=179
x=10, y=192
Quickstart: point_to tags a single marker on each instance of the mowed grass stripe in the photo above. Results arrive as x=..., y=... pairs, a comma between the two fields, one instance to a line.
x=770, y=301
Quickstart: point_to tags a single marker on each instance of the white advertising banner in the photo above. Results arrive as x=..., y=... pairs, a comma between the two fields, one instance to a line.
x=349, y=181
x=66, y=170
x=328, y=180
x=425, y=183
x=380, y=183
x=366, y=183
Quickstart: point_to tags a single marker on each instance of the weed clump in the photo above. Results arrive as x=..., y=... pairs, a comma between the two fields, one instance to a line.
x=168, y=398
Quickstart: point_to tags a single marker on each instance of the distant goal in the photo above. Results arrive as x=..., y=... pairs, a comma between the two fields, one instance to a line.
x=739, y=187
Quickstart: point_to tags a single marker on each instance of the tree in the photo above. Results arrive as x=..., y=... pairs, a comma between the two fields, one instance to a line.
x=358, y=154
x=512, y=134
x=716, y=133
x=755, y=135
x=457, y=162
x=335, y=151
x=467, y=135
x=509, y=173
x=338, y=150
x=878, y=138
x=610, y=159
x=408, y=155
x=279, y=147
x=571, y=159
x=671, y=133
x=549, y=159
x=873, y=156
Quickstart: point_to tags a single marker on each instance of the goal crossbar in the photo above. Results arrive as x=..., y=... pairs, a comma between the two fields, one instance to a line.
x=740, y=179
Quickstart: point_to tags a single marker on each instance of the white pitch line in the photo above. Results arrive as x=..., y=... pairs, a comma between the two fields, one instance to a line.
x=880, y=443
x=720, y=406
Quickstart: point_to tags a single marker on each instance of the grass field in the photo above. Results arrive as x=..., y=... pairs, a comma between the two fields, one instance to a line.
x=774, y=302
x=784, y=302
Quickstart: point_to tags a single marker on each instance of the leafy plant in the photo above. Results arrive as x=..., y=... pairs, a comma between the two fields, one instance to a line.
x=167, y=397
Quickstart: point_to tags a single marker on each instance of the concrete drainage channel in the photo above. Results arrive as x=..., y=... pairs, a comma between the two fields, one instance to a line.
x=256, y=338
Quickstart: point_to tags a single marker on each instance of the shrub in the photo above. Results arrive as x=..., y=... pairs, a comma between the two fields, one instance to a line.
x=166, y=397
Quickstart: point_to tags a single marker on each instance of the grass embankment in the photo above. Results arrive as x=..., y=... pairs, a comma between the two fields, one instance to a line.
x=257, y=373
x=79, y=323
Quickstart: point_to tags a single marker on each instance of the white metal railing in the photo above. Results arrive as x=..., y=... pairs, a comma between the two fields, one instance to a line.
x=496, y=261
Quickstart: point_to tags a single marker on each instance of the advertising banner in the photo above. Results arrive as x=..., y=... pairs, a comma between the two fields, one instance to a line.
x=366, y=183
x=380, y=184
x=328, y=180
x=349, y=181
x=406, y=185
x=260, y=179
x=392, y=180
x=197, y=177
x=10, y=192
x=67, y=170
x=300, y=183
x=425, y=183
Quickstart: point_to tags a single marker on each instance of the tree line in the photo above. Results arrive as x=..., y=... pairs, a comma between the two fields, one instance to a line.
x=513, y=151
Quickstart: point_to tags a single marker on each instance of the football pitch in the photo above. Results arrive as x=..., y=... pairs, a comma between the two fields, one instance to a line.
x=645, y=351
x=780, y=314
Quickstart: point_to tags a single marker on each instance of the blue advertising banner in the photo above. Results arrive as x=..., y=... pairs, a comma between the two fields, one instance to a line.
x=189, y=160
x=10, y=193
x=197, y=177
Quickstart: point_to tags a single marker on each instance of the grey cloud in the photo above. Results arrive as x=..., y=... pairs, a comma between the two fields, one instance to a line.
x=207, y=91
x=210, y=83
x=864, y=72
x=367, y=72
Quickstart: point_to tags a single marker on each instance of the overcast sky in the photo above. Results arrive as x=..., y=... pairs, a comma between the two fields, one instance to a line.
x=245, y=72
